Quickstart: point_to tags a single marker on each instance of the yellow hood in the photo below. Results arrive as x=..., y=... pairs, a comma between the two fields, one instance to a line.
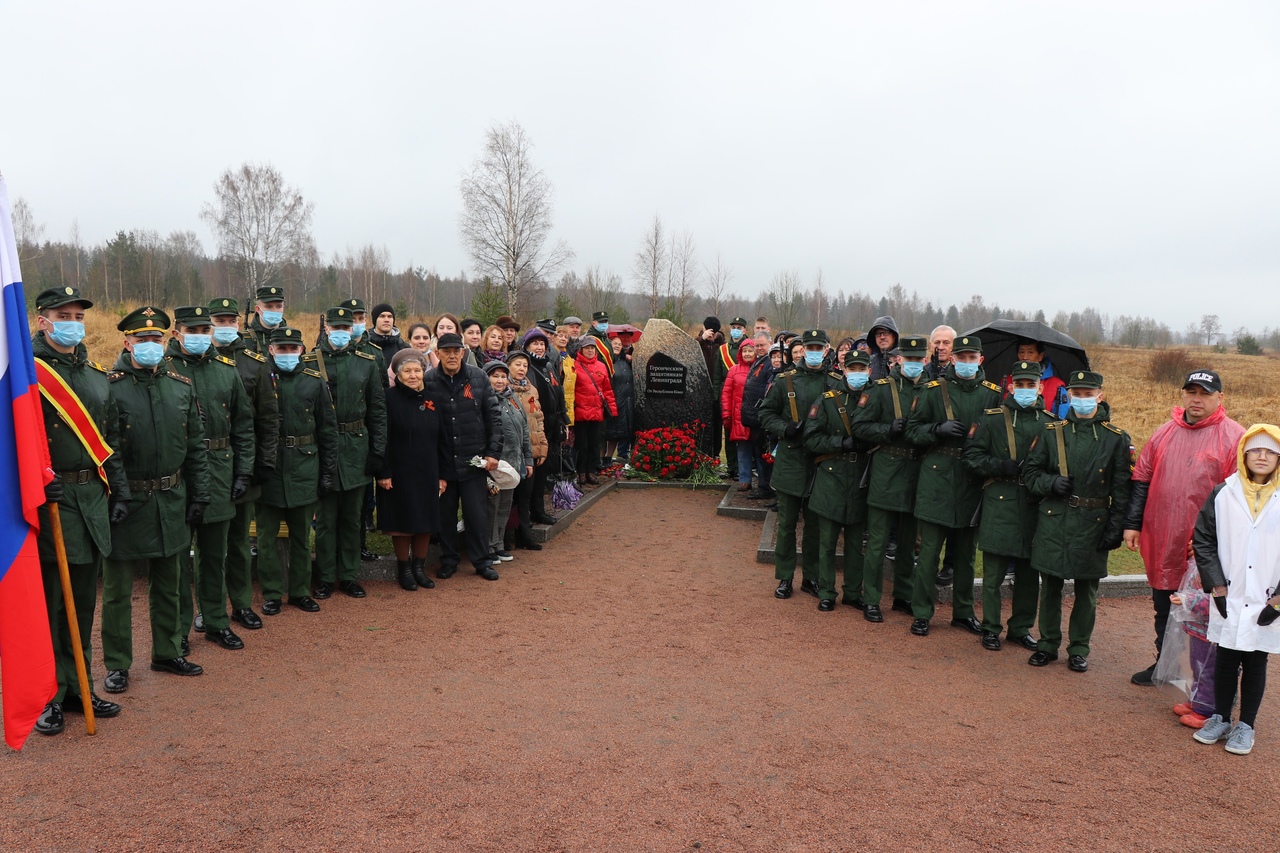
x=1256, y=494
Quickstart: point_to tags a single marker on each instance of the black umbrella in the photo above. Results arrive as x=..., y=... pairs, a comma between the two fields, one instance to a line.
x=1000, y=348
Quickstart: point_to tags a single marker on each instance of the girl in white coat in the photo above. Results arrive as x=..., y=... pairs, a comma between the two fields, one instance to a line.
x=1237, y=545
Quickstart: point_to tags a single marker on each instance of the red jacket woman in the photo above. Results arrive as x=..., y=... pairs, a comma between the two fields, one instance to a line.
x=731, y=396
x=592, y=390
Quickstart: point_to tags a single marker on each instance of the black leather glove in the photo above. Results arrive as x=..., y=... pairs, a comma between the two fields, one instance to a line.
x=1010, y=468
x=373, y=464
x=792, y=430
x=1268, y=615
x=1220, y=602
x=846, y=443
x=239, y=486
x=119, y=511
x=1110, y=543
x=897, y=427
x=326, y=485
x=195, y=512
x=950, y=429
x=1061, y=486
x=261, y=474
x=53, y=491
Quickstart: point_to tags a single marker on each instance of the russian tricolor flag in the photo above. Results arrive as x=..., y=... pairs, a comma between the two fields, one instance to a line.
x=27, y=679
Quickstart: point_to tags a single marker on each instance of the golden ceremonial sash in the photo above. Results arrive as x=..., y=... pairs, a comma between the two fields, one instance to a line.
x=726, y=357
x=68, y=406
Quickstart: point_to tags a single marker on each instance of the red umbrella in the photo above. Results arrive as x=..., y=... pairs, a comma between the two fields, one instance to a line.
x=625, y=327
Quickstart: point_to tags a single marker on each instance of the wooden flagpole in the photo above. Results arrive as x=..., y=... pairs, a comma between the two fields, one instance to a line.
x=60, y=547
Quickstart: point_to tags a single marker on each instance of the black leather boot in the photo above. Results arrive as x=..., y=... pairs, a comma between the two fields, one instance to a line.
x=420, y=573
x=524, y=539
x=404, y=574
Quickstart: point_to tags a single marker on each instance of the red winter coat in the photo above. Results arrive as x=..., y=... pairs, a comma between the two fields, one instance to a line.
x=1182, y=462
x=587, y=403
x=731, y=398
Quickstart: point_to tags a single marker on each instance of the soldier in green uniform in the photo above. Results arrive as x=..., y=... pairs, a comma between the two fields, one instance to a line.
x=838, y=497
x=361, y=340
x=305, y=467
x=228, y=440
x=782, y=413
x=162, y=448
x=996, y=452
x=947, y=492
x=268, y=315
x=895, y=468
x=361, y=410
x=260, y=391
x=84, y=498
x=1081, y=468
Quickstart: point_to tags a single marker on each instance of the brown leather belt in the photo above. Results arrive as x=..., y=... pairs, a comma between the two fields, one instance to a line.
x=1088, y=503
x=217, y=443
x=299, y=440
x=353, y=426
x=899, y=452
x=88, y=475
x=848, y=456
x=164, y=484
x=954, y=452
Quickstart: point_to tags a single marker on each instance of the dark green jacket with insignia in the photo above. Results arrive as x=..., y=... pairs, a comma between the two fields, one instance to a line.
x=837, y=486
x=895, y=467
x=1098, y=462
x=161, y=435
x=947, y=492
x=368, y=347
x=359, y=406
x=228, y=420
x=1008, y=507
x=260, y=390
x=308, y=438
x=793, y=463
x=257, y=336
x=84, y=506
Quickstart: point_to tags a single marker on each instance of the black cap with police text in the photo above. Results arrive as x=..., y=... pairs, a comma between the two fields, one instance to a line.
x=914, y=346
x=221, y=306
x=1026, y=370
x=339, y=316
x=450, y=340
x=1084, y=379
x=857, y=356
x=192, y=315
x=738, y=321
x=1206, y=379
x=142, y=320
x=600, y=317
x=286, y=335
x=352, y=305
x=56, y=297
x=968, y=343
x=270, y=294
x=814, y=336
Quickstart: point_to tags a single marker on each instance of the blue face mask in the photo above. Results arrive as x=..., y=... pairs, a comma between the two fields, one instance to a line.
x=813, y=358
x=223, y=335
x=339, y=338
x=288, y=363
x=148, y=354
x=602, y=327
x=1084, y=406
x=967, y=369
x=857, y=381
x=357, y=329
x=912, y=369
x=736, y=334
x=67, y=333
x=196, y=344
x=272, y=318
x=1025, y=397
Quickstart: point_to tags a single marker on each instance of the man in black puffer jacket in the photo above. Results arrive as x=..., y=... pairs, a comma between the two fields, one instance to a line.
x=758, y=380
x=471, y=426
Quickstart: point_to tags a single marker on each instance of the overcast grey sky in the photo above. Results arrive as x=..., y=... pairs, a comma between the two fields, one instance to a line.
x=1043, y=154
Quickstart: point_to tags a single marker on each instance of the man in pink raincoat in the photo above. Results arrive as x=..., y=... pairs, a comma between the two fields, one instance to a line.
x=1186, y=457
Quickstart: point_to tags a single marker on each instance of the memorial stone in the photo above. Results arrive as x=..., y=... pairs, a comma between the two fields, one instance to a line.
x=673, y=387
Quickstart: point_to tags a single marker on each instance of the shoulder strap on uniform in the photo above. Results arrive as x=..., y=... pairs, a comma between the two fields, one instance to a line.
x=843, y=409
x=991, y=386
x=255, y=355
x=115, y=376
x=791, y=397
x=1008, y=431
x=946, y=401
x=309, y=372
x=173, y=374
x=1061, y=435
x=224, y=360
x=830, y=393
x=894, y=397
x=1109, y=425
x=366, y=355
x=98, y=367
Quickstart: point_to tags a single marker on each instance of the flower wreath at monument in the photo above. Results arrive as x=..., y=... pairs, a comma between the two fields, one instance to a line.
x=671, y=453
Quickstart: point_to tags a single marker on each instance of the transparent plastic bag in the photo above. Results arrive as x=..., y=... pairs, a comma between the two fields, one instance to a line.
x=1173, y=670
x=1177, y=669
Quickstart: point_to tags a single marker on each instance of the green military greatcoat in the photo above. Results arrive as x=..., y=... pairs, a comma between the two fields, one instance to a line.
x=360, y=408
x=837, y=486
x=788, y=401
x=307, y=441
x=1008, y=519
x=895, y=467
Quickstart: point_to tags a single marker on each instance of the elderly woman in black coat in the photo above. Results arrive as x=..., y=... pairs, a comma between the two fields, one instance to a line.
x=618, y=431
x=409, y=484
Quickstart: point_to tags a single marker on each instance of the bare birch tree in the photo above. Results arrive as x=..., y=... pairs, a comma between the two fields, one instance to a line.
x=650, y=265
x=506, y=215
x=682, y=275
x=718, y=278
x=786, y=298
x=260, y=223
x=819, y=299
x=26, y=230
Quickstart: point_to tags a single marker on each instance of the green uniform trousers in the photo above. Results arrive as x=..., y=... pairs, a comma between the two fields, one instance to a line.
x=84, y=594
x=239, y=574
x=210, y=578
x=339, y=518
x=924, y=593
x=828, y=534
x=1026, y=594
x=1084, y=613
x=270, y=572
x=163, y=576
x=784, y=551
x=880, y=523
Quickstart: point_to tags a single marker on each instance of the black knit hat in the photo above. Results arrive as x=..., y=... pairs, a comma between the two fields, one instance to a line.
x=380, y=309
x=712, y=323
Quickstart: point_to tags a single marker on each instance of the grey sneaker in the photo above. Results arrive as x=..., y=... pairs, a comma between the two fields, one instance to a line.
x=1215, y=729
x=1241, y=740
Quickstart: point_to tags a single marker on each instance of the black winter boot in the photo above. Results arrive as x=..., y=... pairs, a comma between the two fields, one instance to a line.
x=420, y=573
x=404, y=574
